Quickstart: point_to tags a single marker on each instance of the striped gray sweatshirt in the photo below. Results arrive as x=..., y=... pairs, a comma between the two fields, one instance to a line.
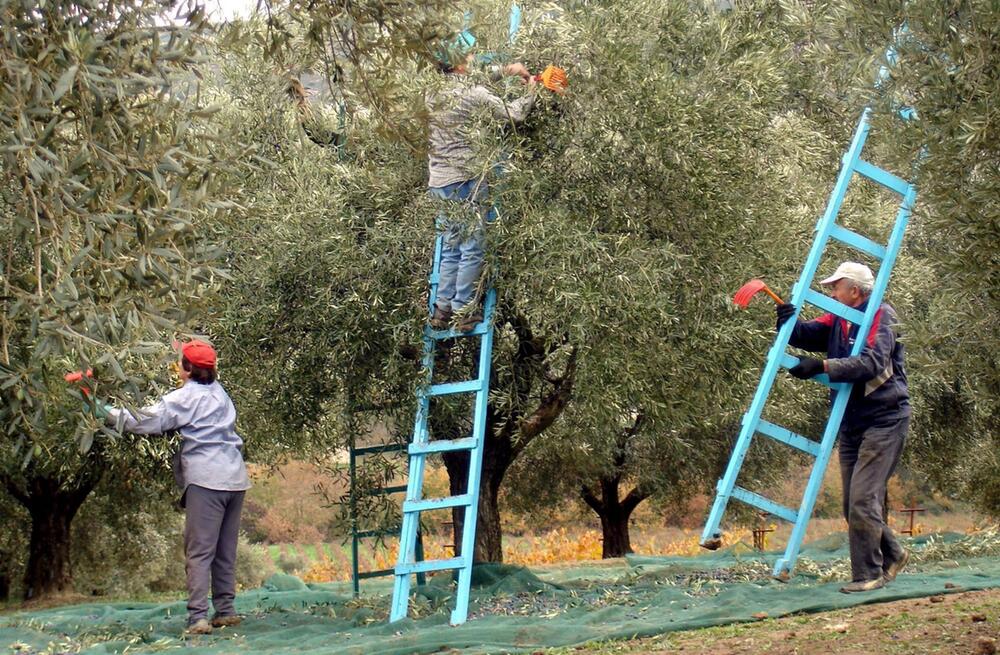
x=451, y=157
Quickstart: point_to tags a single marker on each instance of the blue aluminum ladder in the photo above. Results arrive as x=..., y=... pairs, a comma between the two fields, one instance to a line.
x=777, y=358
x=421, y=446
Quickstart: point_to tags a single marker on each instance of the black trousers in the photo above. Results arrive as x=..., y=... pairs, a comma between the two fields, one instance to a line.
x=868, y=458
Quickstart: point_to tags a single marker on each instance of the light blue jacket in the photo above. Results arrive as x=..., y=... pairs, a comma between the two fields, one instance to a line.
x=211, y=452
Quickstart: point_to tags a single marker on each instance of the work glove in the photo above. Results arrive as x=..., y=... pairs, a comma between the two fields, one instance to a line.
x=784, y=311
x=807, y=368
x=97, y=408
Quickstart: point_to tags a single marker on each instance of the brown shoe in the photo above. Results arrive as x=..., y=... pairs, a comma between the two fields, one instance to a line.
x=199, y=627
x=893, y=570
x=469, y=322
x=863, y=585
x=441, y=318
x=226, y=621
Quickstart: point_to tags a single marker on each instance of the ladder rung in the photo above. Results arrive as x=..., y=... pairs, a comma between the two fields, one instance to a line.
x=787, y=361
x=384, y=491
x=443, y=446
x=828, y=304
x=855, y=240
x=364, y=575
x=410, y=506
x=455, y=387
x=381, y=448
x=761, y=503
x=452, y=333
x=883, y=177
x=788, y=437
x=366, y=534
x=431, y=565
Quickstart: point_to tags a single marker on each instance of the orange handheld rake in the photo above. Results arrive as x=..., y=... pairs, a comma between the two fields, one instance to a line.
x=553, y=78
x=750, y=289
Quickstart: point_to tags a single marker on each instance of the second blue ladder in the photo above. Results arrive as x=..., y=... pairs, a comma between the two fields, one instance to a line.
x=778, y=358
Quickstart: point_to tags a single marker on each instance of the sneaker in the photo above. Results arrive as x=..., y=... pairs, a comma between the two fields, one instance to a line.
x=441, y=318
x=199, y=627
x=226, y=621
x=863, y=585
x=469, y=322
x=893, y=570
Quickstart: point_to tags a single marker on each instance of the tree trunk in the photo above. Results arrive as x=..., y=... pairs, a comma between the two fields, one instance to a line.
x=506, y=437
x=49, y=570
x=614, y=514
x=52, y=506
x=615, y=540
x=489, y=536
x=4, y=576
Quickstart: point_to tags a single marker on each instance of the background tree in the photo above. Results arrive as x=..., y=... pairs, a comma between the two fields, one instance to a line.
x=946, y=73
x=632, y=209
x=107, y=166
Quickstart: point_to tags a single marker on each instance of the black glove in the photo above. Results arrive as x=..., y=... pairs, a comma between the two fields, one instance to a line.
x=784, y=312
x=807, y=367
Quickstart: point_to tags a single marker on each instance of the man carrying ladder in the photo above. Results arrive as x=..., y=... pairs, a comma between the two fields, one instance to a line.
x=875, y=422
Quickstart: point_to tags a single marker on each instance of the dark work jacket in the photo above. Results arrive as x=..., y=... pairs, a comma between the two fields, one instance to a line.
x=880, y=393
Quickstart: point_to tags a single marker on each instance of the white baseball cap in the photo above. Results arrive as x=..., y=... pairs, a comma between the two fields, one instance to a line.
x=851, y=271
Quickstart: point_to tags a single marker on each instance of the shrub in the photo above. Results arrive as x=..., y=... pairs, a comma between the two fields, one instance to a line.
x=291, y=562
x=253, y=564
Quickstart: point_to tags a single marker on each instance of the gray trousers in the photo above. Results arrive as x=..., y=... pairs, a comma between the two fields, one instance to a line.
x=868, y=458
x=211, y=531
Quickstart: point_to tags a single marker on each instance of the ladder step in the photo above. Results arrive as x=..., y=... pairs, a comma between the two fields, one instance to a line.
x=855, y=240
x=411, y=506
x=364, y=575
x=883, y=177
x=452, y=333
x=788, y=361
x=431, y=565
x=761, y=503
x=384, y=491
x=455, y=387
x=381, y=448
x=828, y=304
x=788, y=437
x=443, y=446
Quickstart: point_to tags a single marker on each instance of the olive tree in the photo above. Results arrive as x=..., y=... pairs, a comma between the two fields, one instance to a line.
x=107, y=166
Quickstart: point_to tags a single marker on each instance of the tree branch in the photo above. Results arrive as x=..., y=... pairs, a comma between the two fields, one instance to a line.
x=19, y=494
x=588, y=497
x=549, y=409
x=633, y=499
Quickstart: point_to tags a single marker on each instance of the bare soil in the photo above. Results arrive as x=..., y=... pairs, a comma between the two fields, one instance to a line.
x=958, y=624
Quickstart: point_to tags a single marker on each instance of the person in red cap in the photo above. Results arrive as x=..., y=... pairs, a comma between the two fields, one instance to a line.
x=209, y=468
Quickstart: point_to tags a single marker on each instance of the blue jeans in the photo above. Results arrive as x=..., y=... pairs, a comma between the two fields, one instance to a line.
x=463, y=226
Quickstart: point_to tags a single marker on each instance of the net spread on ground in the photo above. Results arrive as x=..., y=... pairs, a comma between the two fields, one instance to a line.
x=513, y=609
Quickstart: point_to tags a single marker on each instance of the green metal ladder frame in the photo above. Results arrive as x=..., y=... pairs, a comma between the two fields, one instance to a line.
x=357, y=536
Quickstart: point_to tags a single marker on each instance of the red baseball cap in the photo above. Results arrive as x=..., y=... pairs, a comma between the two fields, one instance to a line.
x=197, y=352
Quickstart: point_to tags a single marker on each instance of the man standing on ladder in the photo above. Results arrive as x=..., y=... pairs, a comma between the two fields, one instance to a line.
x=457, y=177
x=875, y=422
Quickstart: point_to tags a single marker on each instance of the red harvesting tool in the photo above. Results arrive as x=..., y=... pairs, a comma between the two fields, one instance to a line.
x=77, y=378
x=750, y=289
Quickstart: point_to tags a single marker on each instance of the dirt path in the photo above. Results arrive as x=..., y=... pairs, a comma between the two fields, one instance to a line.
x=957, y=624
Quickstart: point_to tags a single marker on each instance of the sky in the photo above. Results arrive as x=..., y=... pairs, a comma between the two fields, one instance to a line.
x=229, y=9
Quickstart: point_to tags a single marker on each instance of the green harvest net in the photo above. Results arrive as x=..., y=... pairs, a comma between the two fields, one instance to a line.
x=513, y=609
